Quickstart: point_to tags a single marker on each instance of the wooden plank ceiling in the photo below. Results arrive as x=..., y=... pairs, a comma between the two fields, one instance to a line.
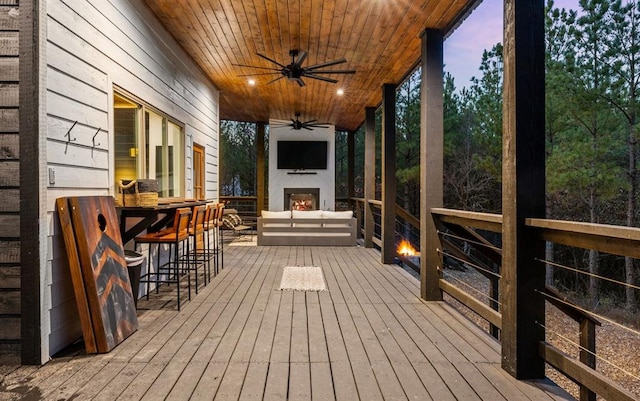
x=380, y=39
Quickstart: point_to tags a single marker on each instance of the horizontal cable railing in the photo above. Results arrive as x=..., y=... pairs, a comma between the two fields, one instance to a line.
x=464, y=238
x=614, y=240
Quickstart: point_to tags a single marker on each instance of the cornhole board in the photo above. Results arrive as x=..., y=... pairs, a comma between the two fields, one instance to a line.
x=98, y=271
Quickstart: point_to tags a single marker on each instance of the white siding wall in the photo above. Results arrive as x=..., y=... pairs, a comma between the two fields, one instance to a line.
x=93, y=45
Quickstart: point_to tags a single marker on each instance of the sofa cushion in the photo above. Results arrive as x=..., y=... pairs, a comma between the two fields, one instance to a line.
x=266, y=215
x=306, y=214
x=276, y=215
x=327, y=214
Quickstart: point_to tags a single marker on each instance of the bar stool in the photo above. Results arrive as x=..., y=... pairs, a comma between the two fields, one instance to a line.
x=209, y=228
x=196, y=232
x=219, y=236
x=168, y=273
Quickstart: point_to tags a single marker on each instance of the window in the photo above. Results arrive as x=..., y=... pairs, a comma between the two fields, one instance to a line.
x=148, y=145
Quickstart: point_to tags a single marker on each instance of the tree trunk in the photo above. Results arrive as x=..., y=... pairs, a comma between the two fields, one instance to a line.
x=629, y=263
x=548, y=254
x=593, y=256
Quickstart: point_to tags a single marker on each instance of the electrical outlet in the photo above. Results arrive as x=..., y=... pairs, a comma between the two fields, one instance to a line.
x=52, y=176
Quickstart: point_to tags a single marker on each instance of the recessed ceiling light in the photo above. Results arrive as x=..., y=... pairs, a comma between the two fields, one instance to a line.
x=252, y=82
x=340, y=92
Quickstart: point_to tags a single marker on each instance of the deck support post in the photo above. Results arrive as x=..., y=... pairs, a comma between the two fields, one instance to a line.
x=369, y=173
x=523, y=188
x=388, y=251
x=351, y=157
x=260, y=168
x=431, y=160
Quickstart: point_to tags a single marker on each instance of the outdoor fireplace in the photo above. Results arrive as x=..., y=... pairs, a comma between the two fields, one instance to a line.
x=301, y=198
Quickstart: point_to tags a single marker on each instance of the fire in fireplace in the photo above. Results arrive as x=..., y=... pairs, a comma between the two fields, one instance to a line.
x=301, y=198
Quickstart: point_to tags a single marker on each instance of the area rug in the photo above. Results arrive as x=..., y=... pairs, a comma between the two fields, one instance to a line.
x=303, y=278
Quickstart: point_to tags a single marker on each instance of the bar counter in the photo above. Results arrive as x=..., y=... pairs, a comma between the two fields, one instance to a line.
x=150, y=218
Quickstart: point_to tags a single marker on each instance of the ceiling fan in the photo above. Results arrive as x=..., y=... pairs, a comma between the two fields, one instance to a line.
x=295, y=71
x=298, y=125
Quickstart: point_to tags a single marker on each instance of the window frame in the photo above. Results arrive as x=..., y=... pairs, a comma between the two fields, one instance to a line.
x=142, y=162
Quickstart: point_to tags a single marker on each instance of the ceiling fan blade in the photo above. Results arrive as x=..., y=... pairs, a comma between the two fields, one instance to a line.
x=300, y=82
x=305, y=127
x=268, y=59
x=334, y=72
x=276, y=79
x=255, y=66
x=260, y=73
x=333, y=81
x=327, y=64
x=310, y=122
x=318, y=125
x=301, y=58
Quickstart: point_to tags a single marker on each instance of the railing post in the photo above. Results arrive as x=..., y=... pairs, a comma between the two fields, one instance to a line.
x=587, y=353
x=523, y=188
x=260, y=168
x=431, y=161
x=369, y=173
x=388, y=251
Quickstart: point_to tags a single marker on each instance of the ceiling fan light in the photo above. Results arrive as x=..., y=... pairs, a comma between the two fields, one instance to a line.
x=340, y=92
x=251, y=82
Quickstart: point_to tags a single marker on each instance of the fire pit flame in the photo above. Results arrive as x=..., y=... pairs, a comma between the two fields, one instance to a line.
x=405, y=249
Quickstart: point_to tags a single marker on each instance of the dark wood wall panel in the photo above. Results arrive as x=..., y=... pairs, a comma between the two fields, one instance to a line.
x=10, y=282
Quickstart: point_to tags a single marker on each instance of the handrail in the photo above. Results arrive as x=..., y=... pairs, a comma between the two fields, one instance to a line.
x=616, y=240
x=483, y=221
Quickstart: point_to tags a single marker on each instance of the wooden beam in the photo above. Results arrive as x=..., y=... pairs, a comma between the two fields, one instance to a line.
x=388, y=251
x=260, y=168
x=30, y=168
x=523, y=188
x=431, y=160
x=369, y=173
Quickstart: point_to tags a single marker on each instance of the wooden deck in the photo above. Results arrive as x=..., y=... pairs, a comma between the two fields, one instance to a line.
x=368, y=338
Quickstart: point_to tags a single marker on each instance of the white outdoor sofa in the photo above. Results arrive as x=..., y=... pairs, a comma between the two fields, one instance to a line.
x=311, y=228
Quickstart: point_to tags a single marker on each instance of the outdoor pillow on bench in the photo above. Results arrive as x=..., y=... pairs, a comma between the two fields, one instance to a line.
x=234, y=222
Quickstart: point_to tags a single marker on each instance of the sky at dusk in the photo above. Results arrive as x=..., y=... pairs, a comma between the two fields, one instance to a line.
x=481, y=30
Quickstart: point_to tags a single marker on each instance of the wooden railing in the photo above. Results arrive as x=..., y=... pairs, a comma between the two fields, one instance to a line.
x=376, y=207
x=461, y=238
x=245, y=205
x=616, y=240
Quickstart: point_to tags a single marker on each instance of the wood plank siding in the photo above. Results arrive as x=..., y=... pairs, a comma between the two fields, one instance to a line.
x=10, y=324
x=369, y=337
x=92, y=46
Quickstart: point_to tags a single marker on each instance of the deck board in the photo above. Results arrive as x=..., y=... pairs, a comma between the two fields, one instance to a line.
x=368, y=337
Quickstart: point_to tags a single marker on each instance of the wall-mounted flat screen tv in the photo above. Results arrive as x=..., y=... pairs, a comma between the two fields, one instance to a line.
x=302, y=155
